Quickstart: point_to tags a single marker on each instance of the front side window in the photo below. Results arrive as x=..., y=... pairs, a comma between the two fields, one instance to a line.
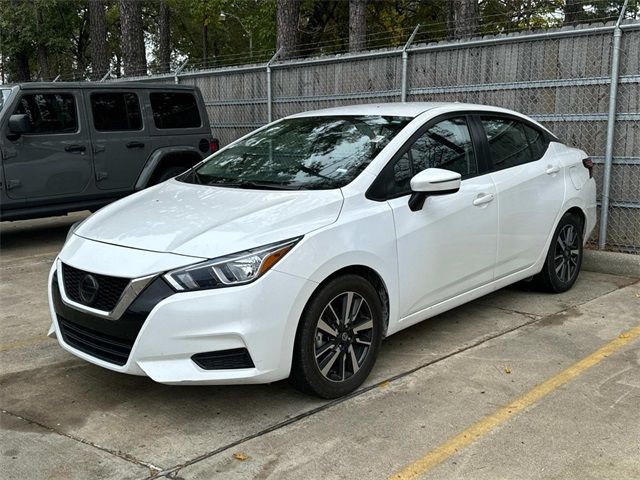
x=300, y=153
x=446, y=145
x=175, y=110
x=116, y=111
x=49, y=112
x=511, y=142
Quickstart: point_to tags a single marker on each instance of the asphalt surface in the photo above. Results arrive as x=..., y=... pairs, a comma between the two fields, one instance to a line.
x=517, y=384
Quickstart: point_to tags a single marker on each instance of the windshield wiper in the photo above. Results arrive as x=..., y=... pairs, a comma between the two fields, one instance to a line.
x=257, y=185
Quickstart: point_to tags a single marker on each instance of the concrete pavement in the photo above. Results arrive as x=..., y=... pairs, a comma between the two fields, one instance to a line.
x=62, y=417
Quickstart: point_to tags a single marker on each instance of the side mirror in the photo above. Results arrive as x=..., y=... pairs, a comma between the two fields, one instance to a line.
x=18, y=124
x=432, y=181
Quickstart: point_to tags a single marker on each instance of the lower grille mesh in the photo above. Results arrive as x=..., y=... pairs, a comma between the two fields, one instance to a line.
x=105, y=347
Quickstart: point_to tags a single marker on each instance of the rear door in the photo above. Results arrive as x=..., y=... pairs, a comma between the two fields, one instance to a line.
x=53, y=161
x=120, y=137
x=530, y=186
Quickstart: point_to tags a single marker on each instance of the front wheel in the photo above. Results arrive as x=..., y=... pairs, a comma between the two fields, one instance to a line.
x=564, y=258
x=338, y=338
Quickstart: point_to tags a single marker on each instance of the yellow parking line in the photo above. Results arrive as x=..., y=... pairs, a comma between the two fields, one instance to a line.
x=22, y=343
x=488, y=423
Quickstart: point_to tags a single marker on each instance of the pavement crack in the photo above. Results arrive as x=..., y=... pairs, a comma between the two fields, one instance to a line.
x=172, y=473
x=117, y=453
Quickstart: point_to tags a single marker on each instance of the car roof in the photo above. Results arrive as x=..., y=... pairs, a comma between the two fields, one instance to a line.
x=408, y=109
x=100, y=85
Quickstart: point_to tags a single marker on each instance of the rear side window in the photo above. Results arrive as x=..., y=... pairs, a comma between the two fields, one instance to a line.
x=512, y=143
x=49, y=112
x=175, y=110
x=116, y=111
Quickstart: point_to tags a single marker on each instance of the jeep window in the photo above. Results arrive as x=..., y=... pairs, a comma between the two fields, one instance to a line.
x=175, y=110
x=4, y=96
x=116, y=111
x=49, y=112
x=309, y=153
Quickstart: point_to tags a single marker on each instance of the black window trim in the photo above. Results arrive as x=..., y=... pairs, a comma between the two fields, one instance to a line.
x=140, y=109
x=78, y=129
x=547, y=136
x=482, y=167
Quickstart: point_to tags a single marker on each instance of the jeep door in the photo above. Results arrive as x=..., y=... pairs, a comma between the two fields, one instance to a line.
x=52, y=162
x=120, y=136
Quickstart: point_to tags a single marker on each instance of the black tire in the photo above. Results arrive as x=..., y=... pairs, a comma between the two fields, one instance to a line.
x=564, y=258
x=329, y=365
x=168, y=173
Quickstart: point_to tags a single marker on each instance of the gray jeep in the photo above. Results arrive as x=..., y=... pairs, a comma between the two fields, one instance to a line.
x=78, y=146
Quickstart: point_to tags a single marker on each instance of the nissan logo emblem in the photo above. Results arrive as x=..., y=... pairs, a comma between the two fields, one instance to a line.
x=88, y=289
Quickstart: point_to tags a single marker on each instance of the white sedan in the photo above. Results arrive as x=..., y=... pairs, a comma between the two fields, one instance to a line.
x=295, y=250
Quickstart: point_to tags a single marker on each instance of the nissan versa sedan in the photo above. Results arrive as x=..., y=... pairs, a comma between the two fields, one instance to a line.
x=295, y=250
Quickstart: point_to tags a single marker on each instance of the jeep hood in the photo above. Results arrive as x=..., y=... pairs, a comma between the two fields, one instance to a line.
x=207, y=222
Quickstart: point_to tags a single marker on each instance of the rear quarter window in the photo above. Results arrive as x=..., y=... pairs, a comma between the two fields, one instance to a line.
x=175, y=110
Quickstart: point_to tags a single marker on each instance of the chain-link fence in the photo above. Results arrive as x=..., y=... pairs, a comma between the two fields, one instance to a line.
x=562, y=78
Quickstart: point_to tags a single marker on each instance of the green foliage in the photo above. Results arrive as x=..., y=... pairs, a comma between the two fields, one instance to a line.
x=61, y=29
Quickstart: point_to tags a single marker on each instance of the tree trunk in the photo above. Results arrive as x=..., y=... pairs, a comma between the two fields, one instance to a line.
x=100, y=57
x=164, y=48
x=287, y=17
x=205, y=44
x=572, y=11
x=357, y=25
x=42, y=54
x=466, y=18
x=21, y=67
x=132, y=38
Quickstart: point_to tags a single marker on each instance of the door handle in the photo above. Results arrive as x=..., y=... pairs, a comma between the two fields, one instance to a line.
x=75, y=148
x=135, y=145
x=11, y=184
x=483, y=199
x=552, y=169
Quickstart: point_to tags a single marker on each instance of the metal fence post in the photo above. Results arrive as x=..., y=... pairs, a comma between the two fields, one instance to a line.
x=269, y=99
x=611, y=125
x=176, y=79
x=107, y=75
x=405, y=62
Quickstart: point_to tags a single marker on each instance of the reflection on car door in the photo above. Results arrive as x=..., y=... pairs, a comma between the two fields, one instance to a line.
x=121, y=142
x=448, y=247
x=530, y=186
x=54, y=159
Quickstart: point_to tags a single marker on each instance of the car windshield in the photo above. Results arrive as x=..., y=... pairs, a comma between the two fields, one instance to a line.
x=4, y=96
x=300, y=153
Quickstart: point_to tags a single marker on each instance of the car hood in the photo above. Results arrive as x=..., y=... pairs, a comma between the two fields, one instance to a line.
x=208, y=222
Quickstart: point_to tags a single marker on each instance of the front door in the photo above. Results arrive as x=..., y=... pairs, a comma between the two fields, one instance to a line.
x=53, y=160
x=449, y=246
x=121, y=142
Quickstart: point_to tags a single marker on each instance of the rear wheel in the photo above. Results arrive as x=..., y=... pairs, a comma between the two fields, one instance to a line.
x=564, y=259
x=338, y=338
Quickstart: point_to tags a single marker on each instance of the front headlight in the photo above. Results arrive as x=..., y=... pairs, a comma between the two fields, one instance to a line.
x=236, y=269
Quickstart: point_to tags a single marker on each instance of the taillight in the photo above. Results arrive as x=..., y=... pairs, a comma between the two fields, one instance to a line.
x=588, y=164
x=214, y=145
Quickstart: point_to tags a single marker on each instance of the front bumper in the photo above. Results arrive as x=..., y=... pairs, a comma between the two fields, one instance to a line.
x=166, y=328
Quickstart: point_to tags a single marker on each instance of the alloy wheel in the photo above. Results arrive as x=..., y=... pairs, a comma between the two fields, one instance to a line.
x=567, y=253
x=343, y=336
